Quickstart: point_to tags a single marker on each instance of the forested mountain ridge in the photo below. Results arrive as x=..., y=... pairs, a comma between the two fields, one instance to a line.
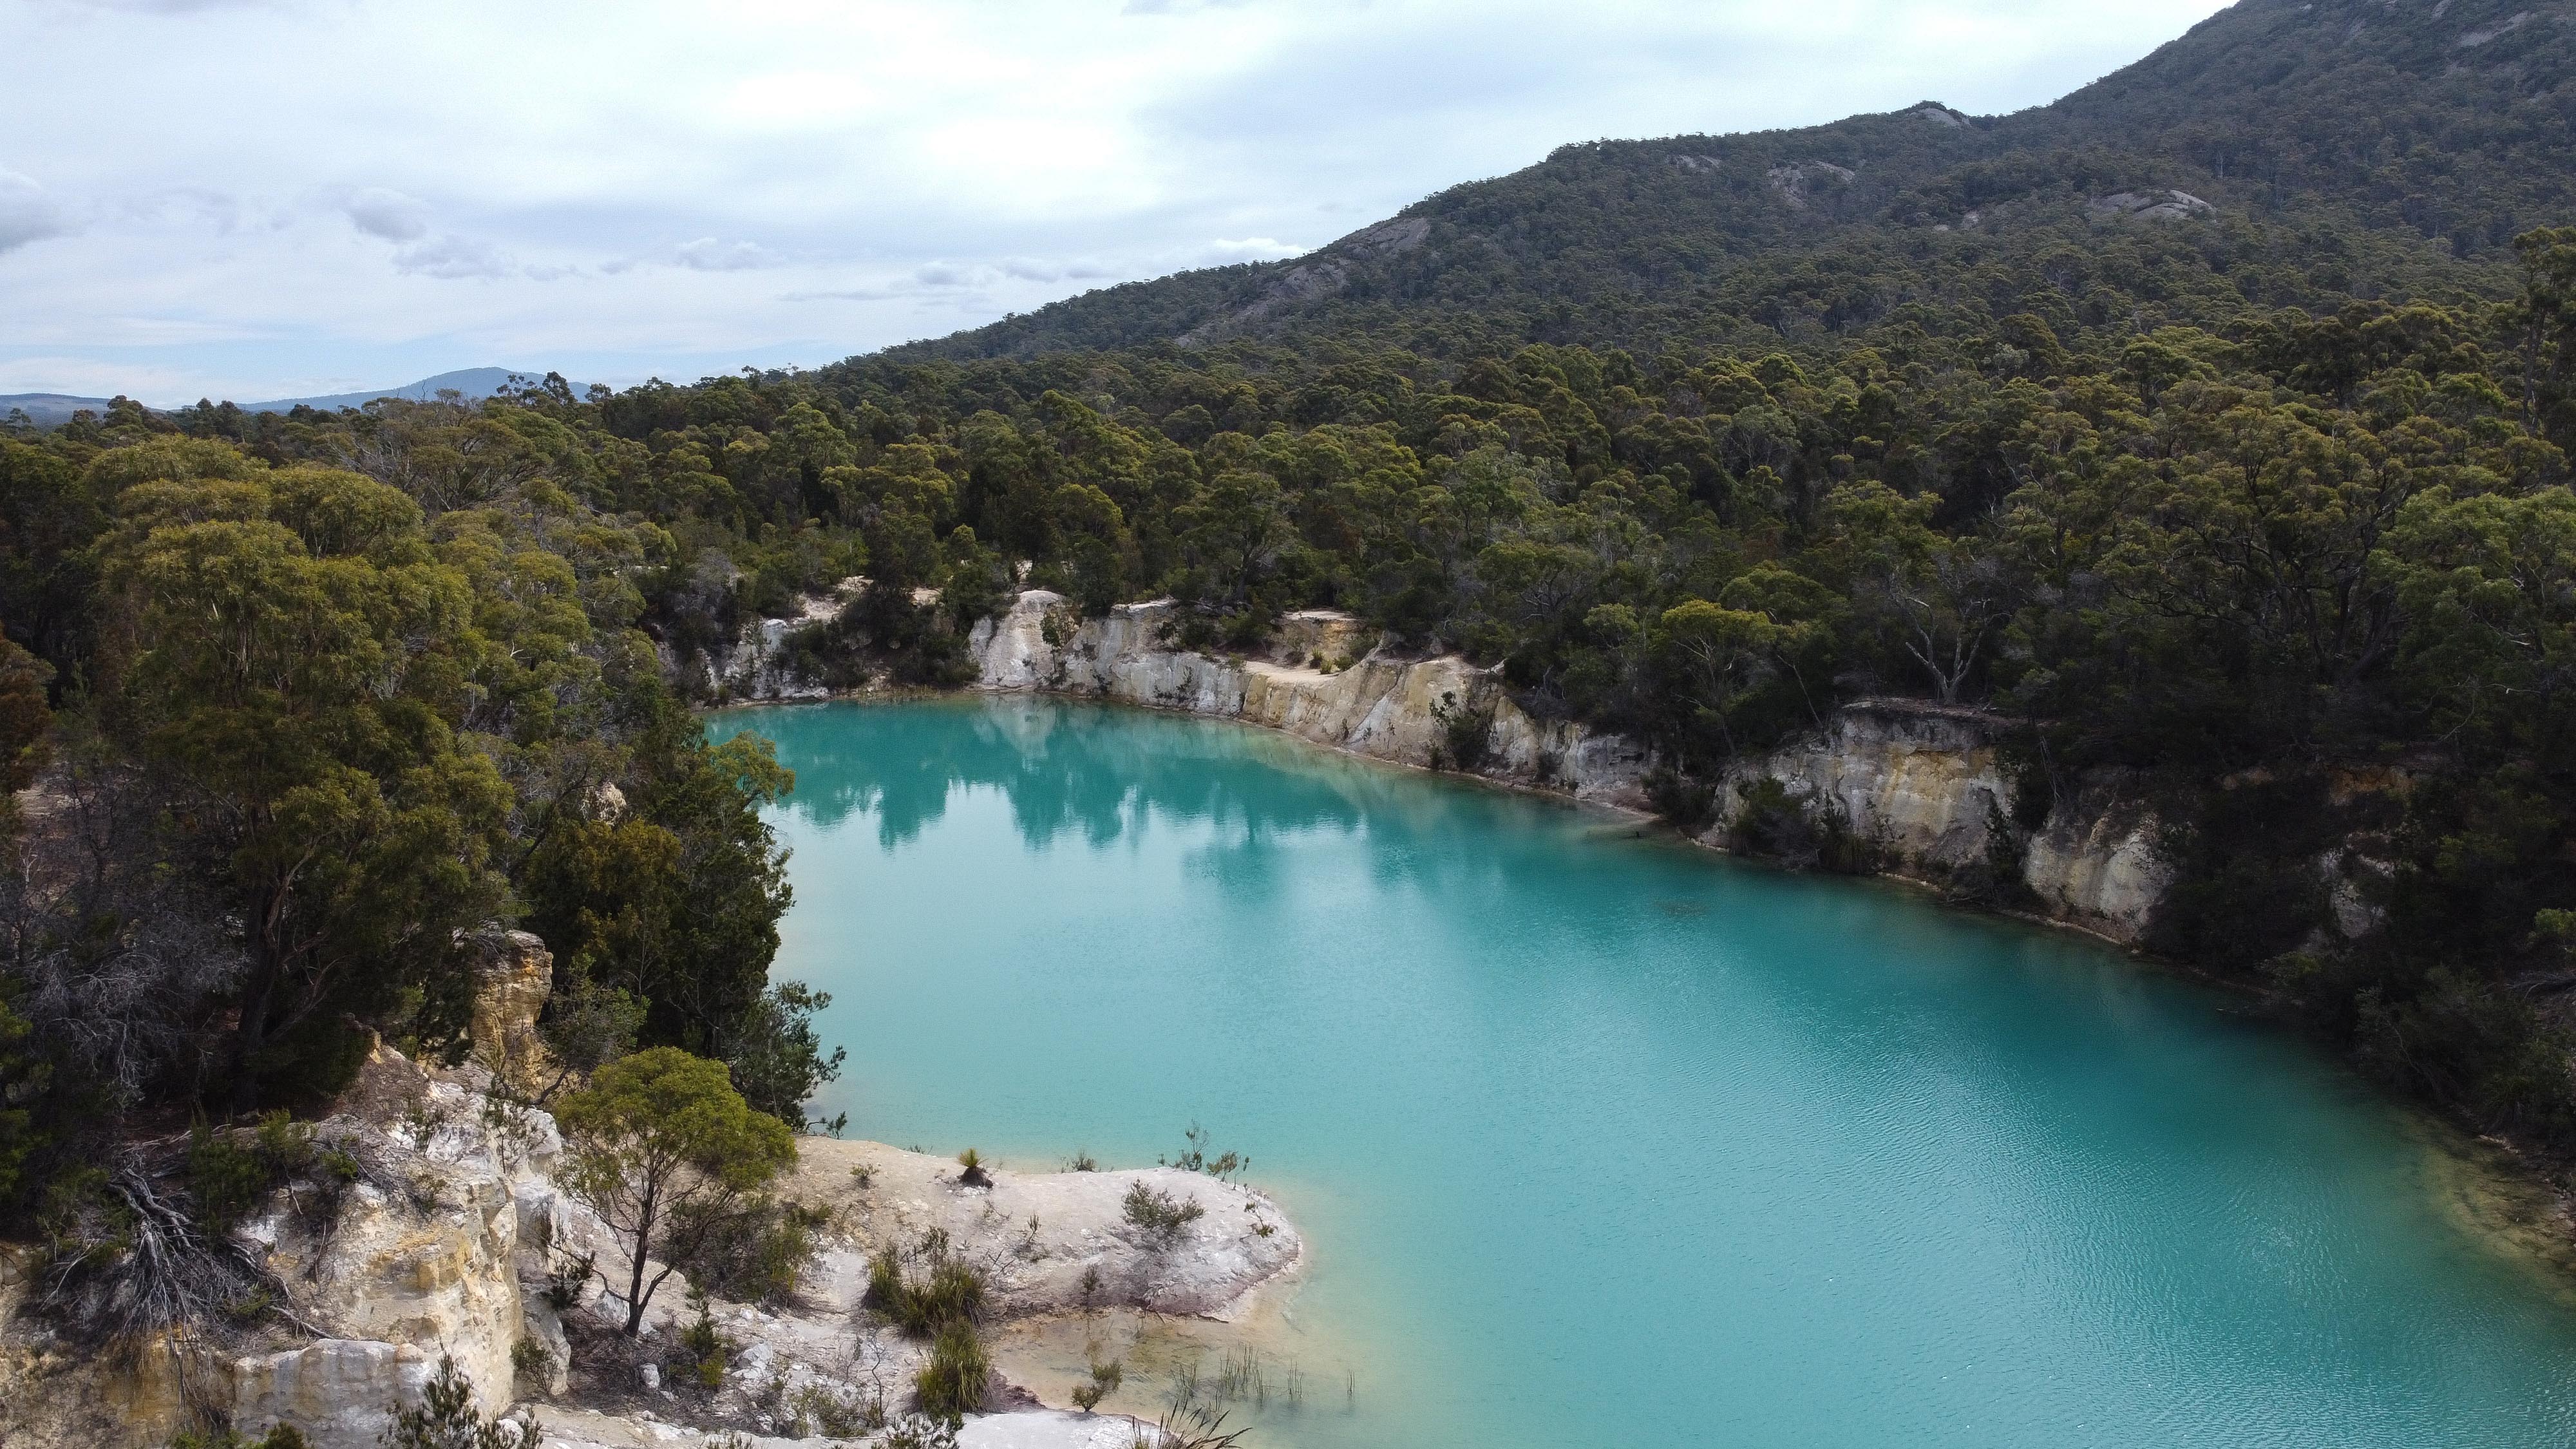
x=2347, y=148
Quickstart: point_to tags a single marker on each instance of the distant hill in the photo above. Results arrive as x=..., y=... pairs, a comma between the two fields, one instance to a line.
x=53, y=409
x=471, y=383
x=2284, y=152
x=49, y=409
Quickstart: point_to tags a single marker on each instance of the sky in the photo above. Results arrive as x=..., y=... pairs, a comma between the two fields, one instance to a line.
x=274, y=198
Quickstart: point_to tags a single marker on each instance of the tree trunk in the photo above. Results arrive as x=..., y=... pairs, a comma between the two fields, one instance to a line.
x=250, y=1034
x=635, y=1283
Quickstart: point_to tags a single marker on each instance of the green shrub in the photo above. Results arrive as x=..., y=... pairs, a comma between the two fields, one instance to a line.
x=445, y=1417
x=885, y=1290
x=532, y=1361
x=1195, y=1156
x=915, y=1432
x=1681, y=801
x=705, y=1350
x=763, y=1258
x=1466, y=734
x=835, y=1414
x=1104, y=1381
x=1771, y=822
x=228, y=1176
x=950, y=1291
x=958, y=1377
x=1159, y=1215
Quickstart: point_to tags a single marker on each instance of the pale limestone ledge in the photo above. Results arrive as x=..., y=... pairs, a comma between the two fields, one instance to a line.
x=1380, y=707
x=444, y=1245
x=1922, y=781
x=1916, y=778
x=1927, y=784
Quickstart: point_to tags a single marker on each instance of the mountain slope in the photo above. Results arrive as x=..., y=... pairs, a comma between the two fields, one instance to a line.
x=473, y=384
x=2321, y=151
x=50, y=409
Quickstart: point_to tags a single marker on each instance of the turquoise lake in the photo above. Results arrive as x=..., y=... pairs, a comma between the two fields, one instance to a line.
x=1601, y=1140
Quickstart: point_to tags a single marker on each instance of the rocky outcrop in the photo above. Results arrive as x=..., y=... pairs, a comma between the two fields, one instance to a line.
x=2151, y=206
x=753, y=667
x=336, y=1391
x=1795, y=181
x=1926, y=787
x=1925, y=784
x=420, y=1258
x=1323, y=273
x=514, y=973
x=2098, y=861
x=430, y=1226
x=406, y=1244
x=1054, y=1242
x=1376, y=704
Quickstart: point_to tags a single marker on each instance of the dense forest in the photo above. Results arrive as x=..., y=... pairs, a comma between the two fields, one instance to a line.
x=2259, y=494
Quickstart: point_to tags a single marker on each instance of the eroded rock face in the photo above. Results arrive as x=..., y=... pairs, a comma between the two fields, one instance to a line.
x=2098, y=862
x=1381, y=707
x=56, y=1397
x=754, y=667
x=416, y=1257
x=420, y=1258
x=1925, y=784
x=338, y=1391
x=514, y=973
x=2151, y=206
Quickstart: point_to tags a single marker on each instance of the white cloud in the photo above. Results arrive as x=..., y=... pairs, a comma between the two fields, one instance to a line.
x=707, y=254
x=452, y=257
x=1035, y=269
x=27, y=214
x=1252, y=249
x=909, y=167
x=382, y=212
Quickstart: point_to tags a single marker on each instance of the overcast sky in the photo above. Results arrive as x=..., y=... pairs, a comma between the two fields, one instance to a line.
x=262, y=198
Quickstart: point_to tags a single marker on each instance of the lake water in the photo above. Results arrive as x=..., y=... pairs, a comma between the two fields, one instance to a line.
x=1600, y=1140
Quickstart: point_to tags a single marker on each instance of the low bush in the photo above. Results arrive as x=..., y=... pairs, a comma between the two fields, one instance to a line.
x=705, y=1351
x=1684, y=802
x=532, y=1362
x=762, y=1260
x=950, y=1290
x=958, y=1378
x=835, y=1414
x=1104, y=1381
x=1196, y=1156
x=445, y=1417
x=230, y=1173
x=1161, y=1216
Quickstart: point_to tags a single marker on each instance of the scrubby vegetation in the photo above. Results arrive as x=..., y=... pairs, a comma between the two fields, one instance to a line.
x=1161, y=1216
x=945, y=1304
